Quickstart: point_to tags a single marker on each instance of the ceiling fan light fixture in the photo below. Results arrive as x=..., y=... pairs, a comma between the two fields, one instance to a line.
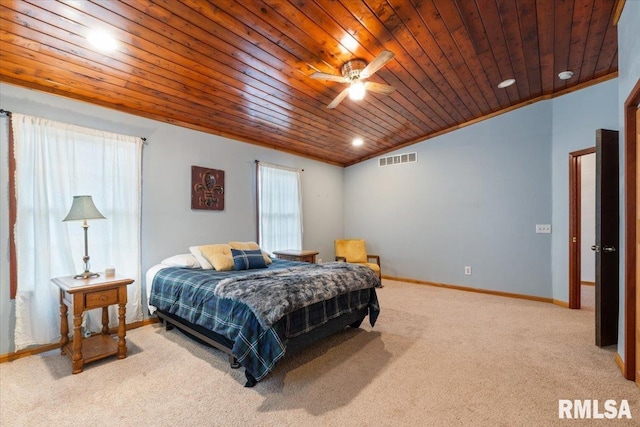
x=354, y=72
x=506, y=83
x=356, y=90
x=565, y=75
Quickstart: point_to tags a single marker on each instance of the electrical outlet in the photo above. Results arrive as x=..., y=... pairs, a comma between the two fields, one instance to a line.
x=467, y=271
x=543, y=228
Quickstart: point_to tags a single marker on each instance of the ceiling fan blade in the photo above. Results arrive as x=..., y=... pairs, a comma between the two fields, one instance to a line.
x=326, y=76
x=384, y=57
x=379, y=88
x=338, y=99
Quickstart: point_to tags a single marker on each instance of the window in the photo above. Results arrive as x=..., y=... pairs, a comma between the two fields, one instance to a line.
x=54, y=162
x=279, y=207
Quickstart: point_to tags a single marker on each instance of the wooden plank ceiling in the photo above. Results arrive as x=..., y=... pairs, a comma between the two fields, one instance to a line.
x=242, y=68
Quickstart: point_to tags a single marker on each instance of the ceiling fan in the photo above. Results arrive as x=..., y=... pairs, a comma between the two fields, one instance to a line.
x=354, y=72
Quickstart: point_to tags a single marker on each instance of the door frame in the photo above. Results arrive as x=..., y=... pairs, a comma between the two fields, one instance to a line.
x=630, y=176
x=575, y=214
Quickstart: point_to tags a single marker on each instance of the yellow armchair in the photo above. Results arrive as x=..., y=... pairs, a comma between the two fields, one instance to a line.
x=355, y=251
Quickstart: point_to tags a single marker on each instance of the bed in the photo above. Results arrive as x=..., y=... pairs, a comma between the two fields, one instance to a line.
x=258, y=316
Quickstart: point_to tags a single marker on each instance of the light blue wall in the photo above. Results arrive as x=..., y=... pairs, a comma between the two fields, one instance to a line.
x=628, y=75
x=169, y=226
x=576, y=116
x=475, y=195
x=472, y=199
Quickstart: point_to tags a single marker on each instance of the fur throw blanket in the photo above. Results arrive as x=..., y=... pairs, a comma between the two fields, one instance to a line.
x=273, y=294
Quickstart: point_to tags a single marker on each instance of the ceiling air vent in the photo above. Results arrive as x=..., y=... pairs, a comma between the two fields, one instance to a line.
x=398, y=159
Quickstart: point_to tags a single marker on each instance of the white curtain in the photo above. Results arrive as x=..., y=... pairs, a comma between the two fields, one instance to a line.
x=279, y=207
x=54, y=162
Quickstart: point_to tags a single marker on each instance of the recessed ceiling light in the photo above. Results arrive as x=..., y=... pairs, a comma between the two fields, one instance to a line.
x=102, y=40
x=565, y=75
x=358, y=141
x=349, y=42
x=506, y=83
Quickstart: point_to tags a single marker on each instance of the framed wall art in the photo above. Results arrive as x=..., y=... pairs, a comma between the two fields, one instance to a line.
x=207, y=188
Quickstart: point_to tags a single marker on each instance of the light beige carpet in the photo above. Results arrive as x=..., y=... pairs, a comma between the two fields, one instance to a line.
x=588, y=298
x=436, y=357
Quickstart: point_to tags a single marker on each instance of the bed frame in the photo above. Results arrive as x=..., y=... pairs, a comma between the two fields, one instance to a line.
x=294, y=344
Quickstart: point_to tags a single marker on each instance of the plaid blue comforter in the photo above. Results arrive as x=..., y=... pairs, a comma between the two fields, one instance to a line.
x=189, y=294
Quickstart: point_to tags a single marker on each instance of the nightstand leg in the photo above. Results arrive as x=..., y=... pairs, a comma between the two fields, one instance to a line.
x=64, y=323
x=105, y=320
x=76, y=359
x=122, y=343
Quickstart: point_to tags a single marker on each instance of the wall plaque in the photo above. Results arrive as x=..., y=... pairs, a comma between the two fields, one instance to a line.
x=207, y=188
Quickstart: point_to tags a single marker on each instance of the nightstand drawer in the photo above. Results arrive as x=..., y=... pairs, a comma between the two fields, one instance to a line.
x=100, y=298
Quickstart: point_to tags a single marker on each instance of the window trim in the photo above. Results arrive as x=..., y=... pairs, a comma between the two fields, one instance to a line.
x=13, y=270
x=257, y=194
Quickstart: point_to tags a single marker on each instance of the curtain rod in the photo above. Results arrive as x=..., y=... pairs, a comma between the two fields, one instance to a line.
x=8, y=113
x=279, y=166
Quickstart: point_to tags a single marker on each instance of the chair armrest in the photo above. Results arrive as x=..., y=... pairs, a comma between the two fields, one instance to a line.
x=376, y=257
x=341, y=259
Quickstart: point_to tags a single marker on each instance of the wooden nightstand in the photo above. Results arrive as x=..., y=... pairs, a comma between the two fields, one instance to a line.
x=294, y=255
x=87, y=294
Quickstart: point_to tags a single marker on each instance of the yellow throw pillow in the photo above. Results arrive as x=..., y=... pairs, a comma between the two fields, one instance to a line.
x=250, y=246
x=219, y=256
x=244, y=246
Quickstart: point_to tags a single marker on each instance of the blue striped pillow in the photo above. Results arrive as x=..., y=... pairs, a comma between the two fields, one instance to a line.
x=248, y=260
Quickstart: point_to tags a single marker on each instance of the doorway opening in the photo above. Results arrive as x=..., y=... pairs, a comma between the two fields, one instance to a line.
x=578, y=160
x=587, y=232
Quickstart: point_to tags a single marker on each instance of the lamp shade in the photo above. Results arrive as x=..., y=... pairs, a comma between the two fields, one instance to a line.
x=83, y=208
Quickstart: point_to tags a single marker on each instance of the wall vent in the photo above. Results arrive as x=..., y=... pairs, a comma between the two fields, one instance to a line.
x=398, y=159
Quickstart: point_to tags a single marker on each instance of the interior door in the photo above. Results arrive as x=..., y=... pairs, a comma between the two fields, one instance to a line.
x=606, y=247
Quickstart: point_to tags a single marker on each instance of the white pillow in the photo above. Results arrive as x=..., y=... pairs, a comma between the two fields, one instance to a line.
x=182, y=260
x=206, y=265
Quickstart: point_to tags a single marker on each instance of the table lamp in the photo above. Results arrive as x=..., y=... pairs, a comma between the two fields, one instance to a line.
x=84, y=209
